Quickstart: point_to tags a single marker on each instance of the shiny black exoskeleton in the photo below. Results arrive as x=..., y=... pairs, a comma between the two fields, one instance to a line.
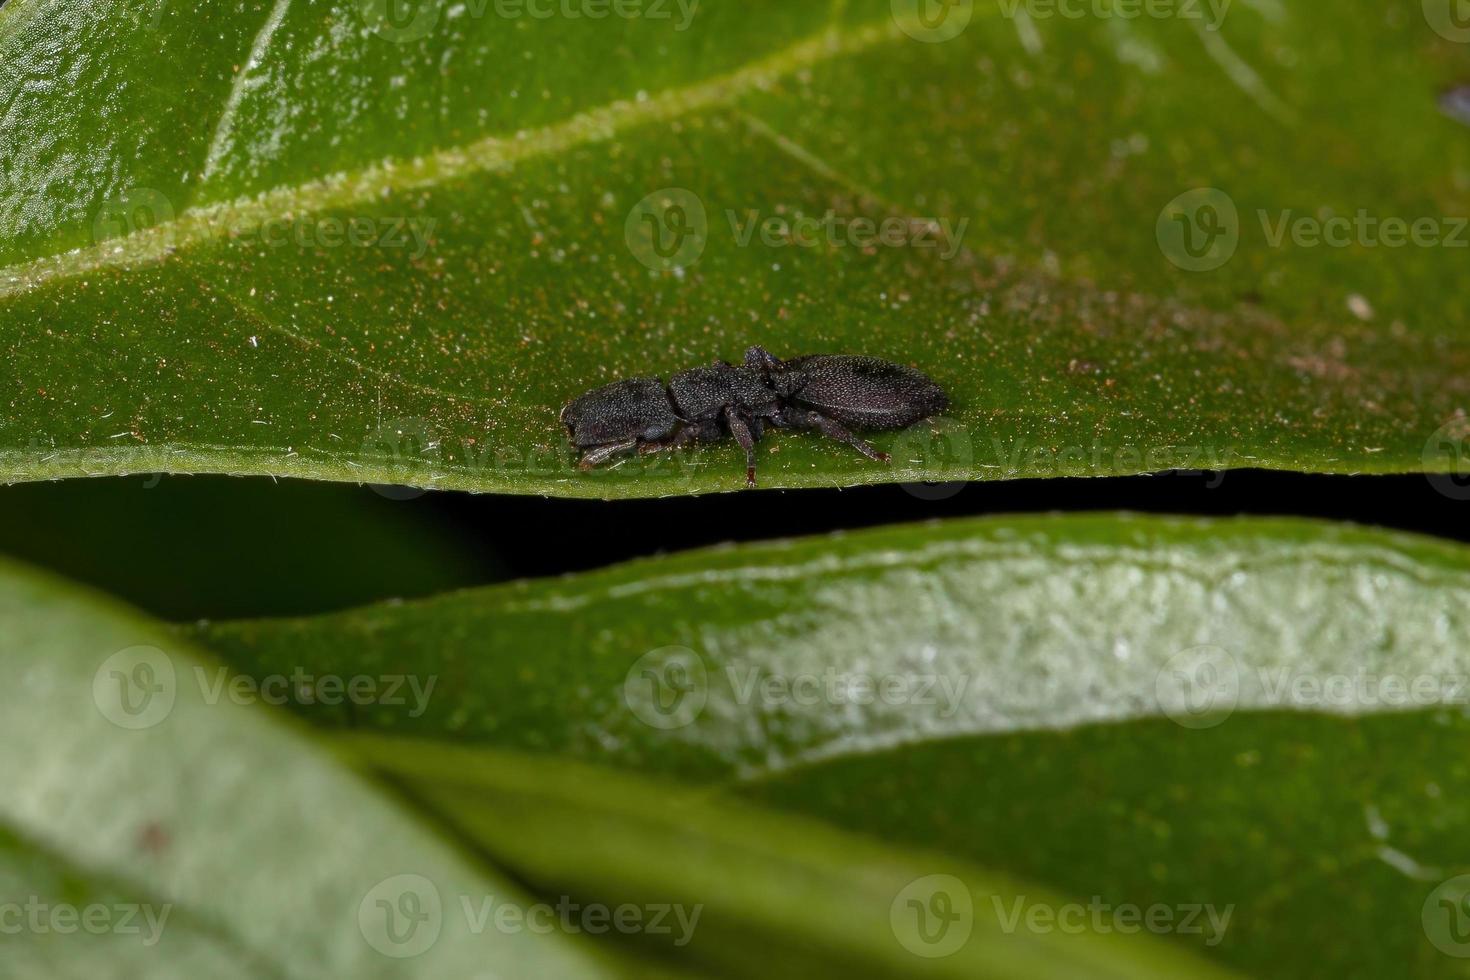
x=825, y=392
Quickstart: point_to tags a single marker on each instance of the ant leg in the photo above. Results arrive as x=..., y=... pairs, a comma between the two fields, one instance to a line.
x=601, y=454
x=758, y=358
x=683, y=437
x=833, y=429
x=746, y=438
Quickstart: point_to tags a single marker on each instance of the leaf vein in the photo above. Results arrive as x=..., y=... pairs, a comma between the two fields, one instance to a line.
x=226, y=125
x=196, y=226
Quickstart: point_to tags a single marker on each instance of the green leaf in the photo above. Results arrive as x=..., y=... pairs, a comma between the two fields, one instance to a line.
x=1336, y=840
x=1172, y=689
x=753, y=894
x=150, y=829
x=179, y=291
x=342, y=546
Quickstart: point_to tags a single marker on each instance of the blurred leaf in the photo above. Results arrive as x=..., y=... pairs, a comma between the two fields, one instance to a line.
x=935, y=685
x=190, y=548
x=129, y=786
x=754, y=894
x=314, y=240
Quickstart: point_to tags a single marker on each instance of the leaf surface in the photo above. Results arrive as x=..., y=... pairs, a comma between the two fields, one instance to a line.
x=753, y=894
x=1252, y=716
x=300, y=239
x=151, y=826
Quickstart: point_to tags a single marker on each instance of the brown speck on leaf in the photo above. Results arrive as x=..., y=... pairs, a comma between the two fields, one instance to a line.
x=1329, y=363
x=153, y=838
x=1458, y=427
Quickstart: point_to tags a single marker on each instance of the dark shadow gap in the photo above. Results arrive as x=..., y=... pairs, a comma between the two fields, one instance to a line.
x=217, y=547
